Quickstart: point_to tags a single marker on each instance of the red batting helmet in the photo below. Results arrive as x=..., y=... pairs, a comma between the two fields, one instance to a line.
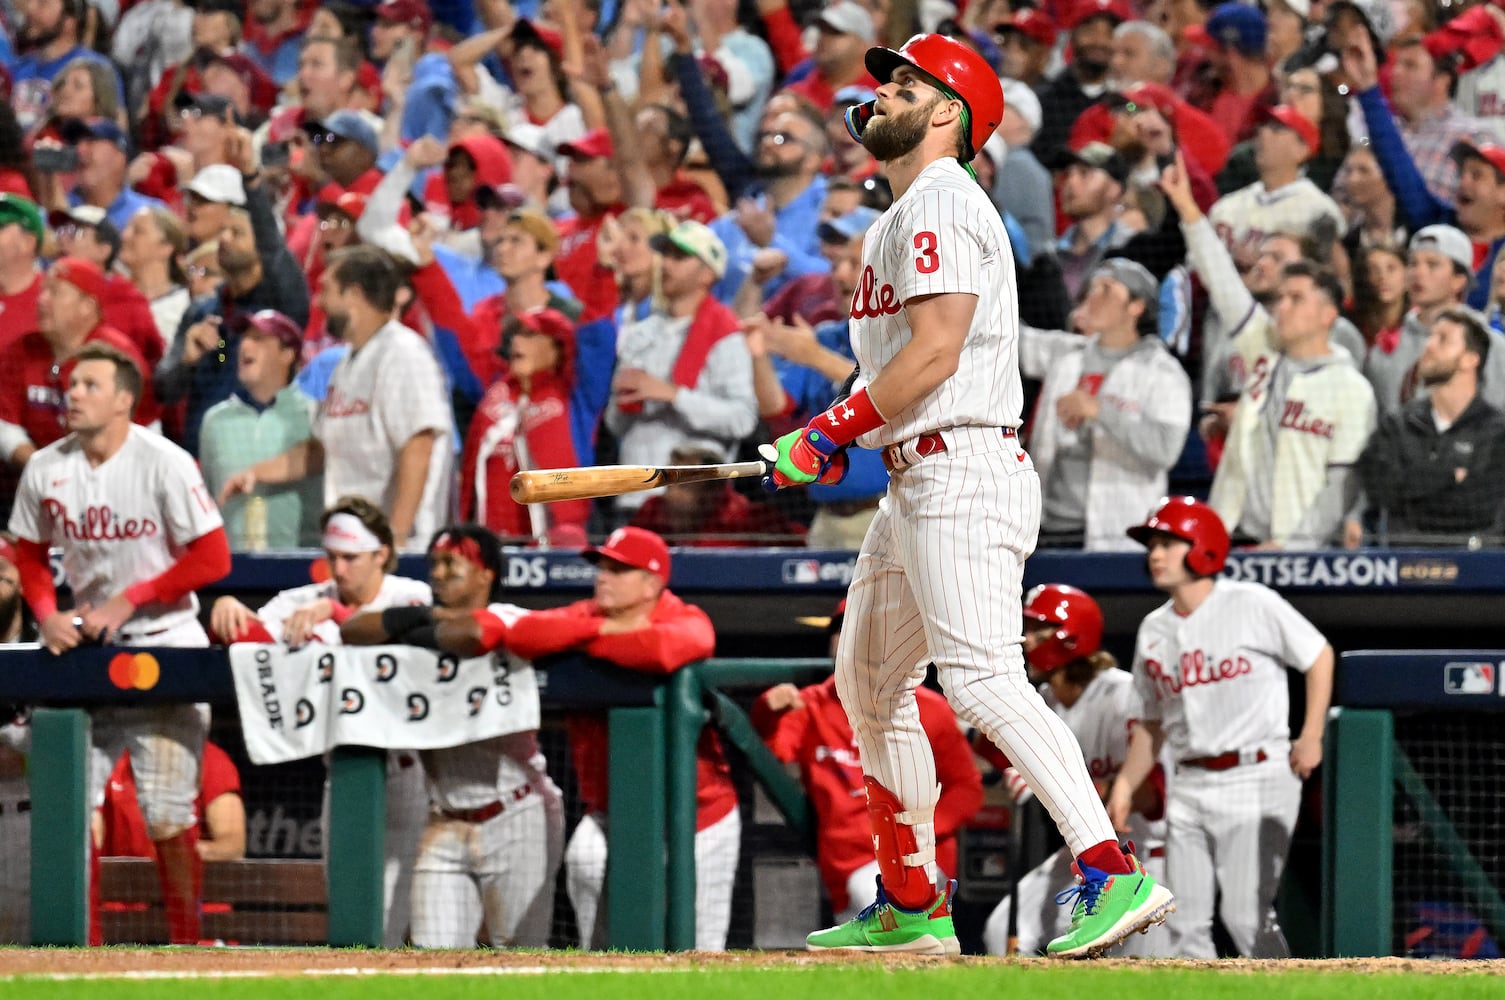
x=1078, y=625
x=957, y=68
x=1190, y=520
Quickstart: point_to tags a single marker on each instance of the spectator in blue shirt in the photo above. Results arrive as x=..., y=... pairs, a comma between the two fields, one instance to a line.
x=104, y=152
x=770, y=234
x=48, y=40
x=798, y=370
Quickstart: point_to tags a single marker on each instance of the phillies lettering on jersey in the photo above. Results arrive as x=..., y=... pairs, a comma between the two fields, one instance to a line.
x=97, y=524
x=1196, y=668
x=865, y=303
x=1293, y=417
x=337, y=404
x=1216, y=679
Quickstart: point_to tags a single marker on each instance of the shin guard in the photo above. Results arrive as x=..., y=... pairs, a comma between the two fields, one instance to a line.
x=904, y=842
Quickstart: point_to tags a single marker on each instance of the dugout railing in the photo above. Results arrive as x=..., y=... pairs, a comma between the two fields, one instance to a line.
x=1414, y=806
x=653, y=726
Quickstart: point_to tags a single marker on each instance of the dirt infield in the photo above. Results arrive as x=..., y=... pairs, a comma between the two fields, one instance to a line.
x=314, y=961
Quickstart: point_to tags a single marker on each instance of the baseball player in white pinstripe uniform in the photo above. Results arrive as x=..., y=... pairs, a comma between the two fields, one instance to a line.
x=1210, y=668
x=495, y=834
x=1081, y=683
x=935, y=329
x=359, y=546
x=139, y=533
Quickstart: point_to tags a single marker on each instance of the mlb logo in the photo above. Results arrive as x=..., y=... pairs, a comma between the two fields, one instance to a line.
x=1469, y=678
x=801, y=571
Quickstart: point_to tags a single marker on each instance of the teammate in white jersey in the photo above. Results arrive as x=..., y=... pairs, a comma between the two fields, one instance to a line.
x=1081, y=682
x=1210, y=668
x=139, y=534
x=362, y=559
x=935, y=328
x=494, y=838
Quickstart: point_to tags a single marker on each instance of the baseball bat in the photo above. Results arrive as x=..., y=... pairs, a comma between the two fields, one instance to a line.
x=549, y=485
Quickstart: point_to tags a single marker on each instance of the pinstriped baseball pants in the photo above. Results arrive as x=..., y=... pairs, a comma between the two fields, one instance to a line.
x=939, y=580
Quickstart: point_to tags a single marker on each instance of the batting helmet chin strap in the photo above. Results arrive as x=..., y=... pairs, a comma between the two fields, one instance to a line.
x=858, y=116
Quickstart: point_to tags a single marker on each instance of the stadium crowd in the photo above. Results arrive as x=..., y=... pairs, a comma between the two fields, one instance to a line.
x=403, y=251
x=371, y=260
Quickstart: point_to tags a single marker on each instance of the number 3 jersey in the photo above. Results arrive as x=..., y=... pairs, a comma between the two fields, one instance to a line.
x=123, y=521
x=943, y=235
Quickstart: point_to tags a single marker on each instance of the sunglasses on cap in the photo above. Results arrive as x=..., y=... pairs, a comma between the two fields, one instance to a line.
x=325, y=138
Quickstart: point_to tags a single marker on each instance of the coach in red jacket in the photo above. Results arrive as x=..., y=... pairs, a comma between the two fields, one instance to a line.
x=809, y=726
x=634, y=622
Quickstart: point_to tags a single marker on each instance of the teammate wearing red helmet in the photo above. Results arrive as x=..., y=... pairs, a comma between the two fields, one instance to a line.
x=1210, y=670
x=1081, y=682
x=935, y=329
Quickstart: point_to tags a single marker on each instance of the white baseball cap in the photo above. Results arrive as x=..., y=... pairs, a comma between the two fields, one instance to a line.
x=698, y=241
x=530, y=138
x=1022, y=98
x=219, y=183
x=849, y=18
x=1446, y=240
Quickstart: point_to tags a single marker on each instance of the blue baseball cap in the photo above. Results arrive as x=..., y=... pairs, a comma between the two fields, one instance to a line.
x=1235, y=25
x=76, y=130
x=849, y=226
x=347, y=124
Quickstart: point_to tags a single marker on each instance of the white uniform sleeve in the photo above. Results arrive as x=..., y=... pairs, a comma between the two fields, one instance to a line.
x=26, y=514
x=275, y=613
x=508, y=613
x=1149, y=707
x=187, y=505
x=410, y=393
x=942, y=244
x=1040, y=349
x=1294, y=639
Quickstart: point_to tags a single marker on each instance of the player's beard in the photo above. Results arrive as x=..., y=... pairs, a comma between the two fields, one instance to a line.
x=889, y=137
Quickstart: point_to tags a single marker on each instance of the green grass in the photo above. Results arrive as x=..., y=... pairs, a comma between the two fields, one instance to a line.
x=857, y=982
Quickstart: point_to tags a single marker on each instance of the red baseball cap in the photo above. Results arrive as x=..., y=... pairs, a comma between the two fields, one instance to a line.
x=635, y=547
x=85, y=275
x=271, y=323
x=351, y=203
x=1486, y=151
x=528, y=31
x=1292, y=119
x=414, y=13
x=596, y=142
x=549, y=322
x=1086, y=10
x=1031, y=23
x=1154, y=95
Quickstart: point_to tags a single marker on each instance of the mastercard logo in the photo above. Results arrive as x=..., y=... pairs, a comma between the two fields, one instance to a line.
x=140, y=671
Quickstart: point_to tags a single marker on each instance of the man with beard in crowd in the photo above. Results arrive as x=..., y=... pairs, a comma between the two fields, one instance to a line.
x=1081, y=83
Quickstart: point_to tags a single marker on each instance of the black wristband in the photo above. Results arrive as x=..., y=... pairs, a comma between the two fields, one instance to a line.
x=397, y=622
x=426, y=636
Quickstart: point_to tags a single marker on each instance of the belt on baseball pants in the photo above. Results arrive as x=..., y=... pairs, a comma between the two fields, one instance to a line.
x=1227, y=761
x=906, y=453
x=490, y=810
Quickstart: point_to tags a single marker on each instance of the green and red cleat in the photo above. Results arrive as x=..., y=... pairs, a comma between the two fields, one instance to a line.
x=884, y=927
x=1108, y=908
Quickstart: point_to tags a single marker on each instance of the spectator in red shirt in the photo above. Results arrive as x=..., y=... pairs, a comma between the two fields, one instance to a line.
x=846, y=32
x=713, y=514
x=21, y=234
x=34, y=379
x=808, y=726
x=84, y=232
x=523, y=422
x=120, y=830
x=595, y=191
x=634, y=622
x=1240, y=83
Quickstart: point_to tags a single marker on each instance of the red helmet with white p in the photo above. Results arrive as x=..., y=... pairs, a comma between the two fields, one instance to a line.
x=1077, y=621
